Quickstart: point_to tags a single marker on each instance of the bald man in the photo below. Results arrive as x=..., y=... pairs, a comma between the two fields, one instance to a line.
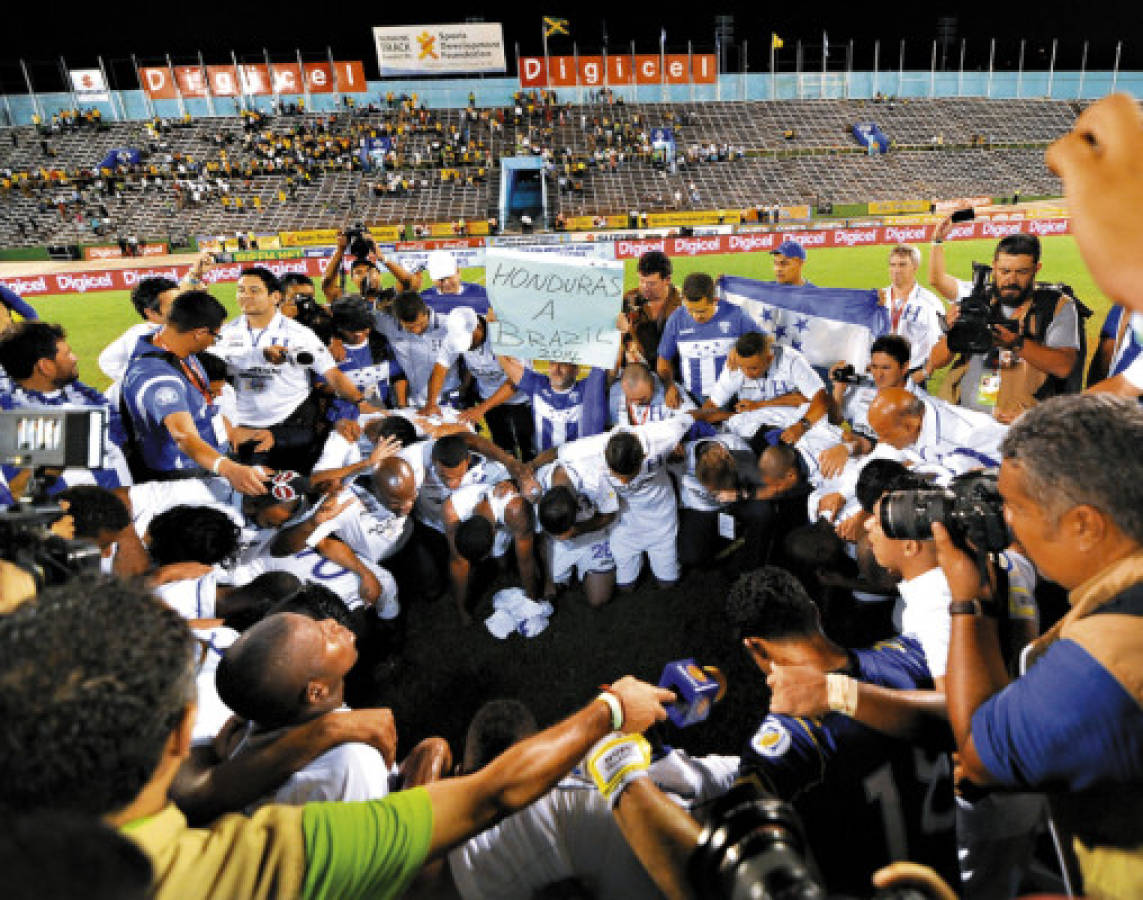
x=639, y=396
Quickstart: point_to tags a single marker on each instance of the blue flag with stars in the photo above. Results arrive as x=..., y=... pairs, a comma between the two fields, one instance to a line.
x=826, y=324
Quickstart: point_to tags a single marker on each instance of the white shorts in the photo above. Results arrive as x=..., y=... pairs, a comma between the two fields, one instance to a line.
x=661, y=546
x=582, y=556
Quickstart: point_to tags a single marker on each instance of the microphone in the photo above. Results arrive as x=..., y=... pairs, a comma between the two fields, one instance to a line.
x=698, y=688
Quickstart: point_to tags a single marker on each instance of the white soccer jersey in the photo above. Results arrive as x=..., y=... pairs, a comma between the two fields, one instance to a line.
x=309, y=565
x=192, y=598
x=269, y=393
x=790, y=371
x=692, y=495
x=465, y=499
x=916, y=317
x=113, y=359
x=434, y=492
x=367, y=528
x=211, y=714
x=418, y=353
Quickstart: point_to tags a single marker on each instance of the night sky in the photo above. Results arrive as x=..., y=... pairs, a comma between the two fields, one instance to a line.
x=117, y=29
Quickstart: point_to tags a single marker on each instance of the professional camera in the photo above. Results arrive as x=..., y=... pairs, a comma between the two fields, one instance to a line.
x=847, y=374
x=971, y=508
x=358, y=240
x=300, y=357
x=26, y=541
x=753, y=847
x=43, y=439
x=972, y=331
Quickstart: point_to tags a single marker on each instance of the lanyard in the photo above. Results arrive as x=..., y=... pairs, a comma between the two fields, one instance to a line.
x=199, y=384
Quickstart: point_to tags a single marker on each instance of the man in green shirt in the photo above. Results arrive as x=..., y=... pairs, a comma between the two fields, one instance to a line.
x=98, y=710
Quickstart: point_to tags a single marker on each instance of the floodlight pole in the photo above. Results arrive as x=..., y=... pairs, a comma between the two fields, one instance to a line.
x=876, y=65
x=901, y=68
x=1020, y=72
x=991, y=58
x=178, y=88
x=1115, y=71
x=206, y=81
x=1083, y=71
x=1052, y=68
x=933, y=72
x=960, y=74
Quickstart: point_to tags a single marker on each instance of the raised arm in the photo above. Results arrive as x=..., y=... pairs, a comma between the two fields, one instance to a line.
x=331, y=277
x=945, y=284
x=524, y=772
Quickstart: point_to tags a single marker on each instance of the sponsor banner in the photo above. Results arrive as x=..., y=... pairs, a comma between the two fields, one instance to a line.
x=582, y=249
x=269, y=241
x=389, y=234
x=879, y=235
x=894, y=207
x=794, y=212
x=208, y=243
x=255, y=80
x=479, y=227
x=460, y=243
x=590, y=223
x=682, y=219
x=314, y=237
x=433, y=49
x=554, y=307
x=89, y=85
x=264, y=254
x=640, y=68
x=112, y=251
x=442, y=230
x=191, y=81
x=126, y=279
x=944, y=207
x=416, y=260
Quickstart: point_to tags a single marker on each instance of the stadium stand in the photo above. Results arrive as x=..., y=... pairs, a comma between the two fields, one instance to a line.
x=255, y=173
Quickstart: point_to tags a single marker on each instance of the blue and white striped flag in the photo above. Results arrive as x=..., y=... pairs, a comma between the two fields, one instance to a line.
x=826, y=324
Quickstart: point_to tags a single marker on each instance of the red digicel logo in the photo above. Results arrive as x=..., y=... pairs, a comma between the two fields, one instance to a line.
x=26, y=287
x=900, y=234
x=696, y=246
x=1001, y=229
x=810, y=238
x=84, y=281
x=1048, y=226
x=852, y=238
x=131, y=277
x=746, y=243
x=631, y=249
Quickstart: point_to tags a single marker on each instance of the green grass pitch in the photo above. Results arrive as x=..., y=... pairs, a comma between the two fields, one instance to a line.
x=93, y=320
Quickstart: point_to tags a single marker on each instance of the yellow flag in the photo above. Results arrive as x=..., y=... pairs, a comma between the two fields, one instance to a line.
x=553, y=26
x=776, y=43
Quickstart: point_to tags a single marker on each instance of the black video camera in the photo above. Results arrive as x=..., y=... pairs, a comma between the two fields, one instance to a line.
x=972, y=331
x=358, y=241
x=26, y=541
x=971, y=508
x=754, y=848
x=847, y=374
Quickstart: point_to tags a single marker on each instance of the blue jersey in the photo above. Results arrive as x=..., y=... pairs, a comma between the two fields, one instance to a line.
x=152, y=390
x=471, y=295
x=373, y=379
x=1125, y=350
x=702, y=349
x=865, y=798
x=563, y=416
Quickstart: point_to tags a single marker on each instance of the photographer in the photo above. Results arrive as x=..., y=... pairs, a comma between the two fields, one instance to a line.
x=363, y=271
x=1037, y=344
x=272, y=359
x=647, y=307
x=1072, y=724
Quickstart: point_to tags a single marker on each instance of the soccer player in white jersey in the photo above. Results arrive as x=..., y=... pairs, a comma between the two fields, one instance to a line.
x=577, y=510
x=272, y=359
x=635, y=460
x=764, y=375
x=639, y=397
x=914, y=313
x=483, y=520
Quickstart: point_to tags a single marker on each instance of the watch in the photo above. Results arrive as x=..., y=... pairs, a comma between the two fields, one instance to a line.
x=975, y=607
x=805, y=423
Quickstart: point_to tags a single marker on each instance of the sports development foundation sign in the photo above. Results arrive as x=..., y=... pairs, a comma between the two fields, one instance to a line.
x=436, y=49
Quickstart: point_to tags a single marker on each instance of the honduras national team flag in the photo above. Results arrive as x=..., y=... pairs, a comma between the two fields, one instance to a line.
x=826, y=324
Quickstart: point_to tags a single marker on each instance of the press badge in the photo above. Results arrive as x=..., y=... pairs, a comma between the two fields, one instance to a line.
x=988, y=389
x=726, y=526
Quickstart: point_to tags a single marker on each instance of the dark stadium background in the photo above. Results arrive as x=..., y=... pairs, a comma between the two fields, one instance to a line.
x=82, y=32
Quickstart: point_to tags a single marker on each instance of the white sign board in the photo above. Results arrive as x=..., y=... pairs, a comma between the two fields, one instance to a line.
x=553, y=307
x=88, y=84
x=433, y=49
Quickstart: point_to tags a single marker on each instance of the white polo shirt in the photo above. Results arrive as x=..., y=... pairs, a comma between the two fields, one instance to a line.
x=268, y=393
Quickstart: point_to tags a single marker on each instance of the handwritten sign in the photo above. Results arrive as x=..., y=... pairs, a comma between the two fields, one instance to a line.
x=552, y=307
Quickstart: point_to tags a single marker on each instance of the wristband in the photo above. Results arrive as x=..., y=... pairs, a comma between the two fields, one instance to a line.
x=217, y=464
x=615, y=761
x=975, y=607
x=616, y=709
x=841, y=693
x=937, y=243
x=805, y=423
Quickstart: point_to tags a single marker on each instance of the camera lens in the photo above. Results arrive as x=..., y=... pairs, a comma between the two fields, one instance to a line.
x=304, y=358
x=909, y=515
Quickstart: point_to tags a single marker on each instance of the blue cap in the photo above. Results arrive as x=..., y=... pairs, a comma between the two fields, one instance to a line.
x=790, y=249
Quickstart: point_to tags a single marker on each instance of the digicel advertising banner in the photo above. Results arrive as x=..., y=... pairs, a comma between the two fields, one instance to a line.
x=256, y=80
x=764, y=242
x=126, y=279
x=747, y=242
x=594, y=71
